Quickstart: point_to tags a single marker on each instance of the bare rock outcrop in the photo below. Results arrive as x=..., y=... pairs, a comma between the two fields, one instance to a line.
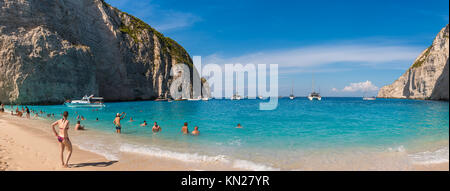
x=427, y=78
x=55, y=50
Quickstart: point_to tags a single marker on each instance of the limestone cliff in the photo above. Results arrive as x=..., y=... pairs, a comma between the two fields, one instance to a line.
x=427, y=78
x=59, y=49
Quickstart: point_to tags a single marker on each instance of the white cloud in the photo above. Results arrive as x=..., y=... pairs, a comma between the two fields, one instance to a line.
x=159, y=18
x=304, y=58
x=366, y=86
x=171, y=20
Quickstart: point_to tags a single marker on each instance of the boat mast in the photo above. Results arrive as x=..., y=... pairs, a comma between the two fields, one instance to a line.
x=313, y=82
x=292, y=88
x=237, y=84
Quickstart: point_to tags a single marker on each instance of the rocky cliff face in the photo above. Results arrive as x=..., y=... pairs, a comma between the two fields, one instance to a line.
x=427, y=78
x=54, y=50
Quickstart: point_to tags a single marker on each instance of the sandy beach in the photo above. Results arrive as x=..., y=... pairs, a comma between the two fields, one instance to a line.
x=23, y=146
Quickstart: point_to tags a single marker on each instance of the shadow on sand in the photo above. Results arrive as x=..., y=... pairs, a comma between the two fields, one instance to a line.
x=94, y=164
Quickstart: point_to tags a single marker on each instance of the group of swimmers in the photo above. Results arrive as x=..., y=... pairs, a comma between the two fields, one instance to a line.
x=156, y=128
x=62, y=135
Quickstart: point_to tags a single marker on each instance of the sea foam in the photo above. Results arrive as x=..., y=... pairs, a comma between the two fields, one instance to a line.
x=194, y=157
x=430, y=157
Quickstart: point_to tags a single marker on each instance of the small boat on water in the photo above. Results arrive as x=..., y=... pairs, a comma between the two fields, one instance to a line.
x=86, y=101
x=369, y=98
x=236, y=97
x=205, y=99
x=292, y=92
x=314, y=95
x=161, y=99
x=195, y=99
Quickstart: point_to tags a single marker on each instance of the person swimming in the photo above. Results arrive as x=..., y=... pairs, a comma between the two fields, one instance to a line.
x=156, y=128
x=195, y=131
x=239, y=126
x=131, y=119
x=63, y=137
x=117, y=121
x=78, y=126
x=144, y=124
x=185, y=129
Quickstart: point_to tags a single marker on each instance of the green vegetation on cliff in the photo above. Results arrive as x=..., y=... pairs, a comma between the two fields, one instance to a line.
x=137, y=26
x=422, y=59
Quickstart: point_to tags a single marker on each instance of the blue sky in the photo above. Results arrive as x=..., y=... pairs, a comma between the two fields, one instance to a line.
x=343, y=43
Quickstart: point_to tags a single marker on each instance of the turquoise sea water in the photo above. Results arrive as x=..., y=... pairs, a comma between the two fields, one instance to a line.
x=300, y=134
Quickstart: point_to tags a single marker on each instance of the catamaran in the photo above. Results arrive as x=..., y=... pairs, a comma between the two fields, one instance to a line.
x=314, y=95
x=86, y=101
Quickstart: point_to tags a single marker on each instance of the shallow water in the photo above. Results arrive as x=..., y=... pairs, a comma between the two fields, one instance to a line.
x=334, y=134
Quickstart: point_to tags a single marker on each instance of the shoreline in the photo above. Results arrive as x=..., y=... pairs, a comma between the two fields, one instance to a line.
x=25, y=145
x=27, y=148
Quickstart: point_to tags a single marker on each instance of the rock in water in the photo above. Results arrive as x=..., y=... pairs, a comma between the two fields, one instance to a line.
x=427, y=78
x=54, y=50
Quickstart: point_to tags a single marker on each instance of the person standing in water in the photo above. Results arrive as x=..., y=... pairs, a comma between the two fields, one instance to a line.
x=117, y=121
x=78, y=126
x=156, y=128
x=63, y=137
x=195, y=131
x=185, y=129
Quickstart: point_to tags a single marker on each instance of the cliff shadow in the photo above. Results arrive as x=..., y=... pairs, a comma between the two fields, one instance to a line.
x=440, y=90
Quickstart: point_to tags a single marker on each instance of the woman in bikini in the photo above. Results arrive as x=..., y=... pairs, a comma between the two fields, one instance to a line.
x=63, y=137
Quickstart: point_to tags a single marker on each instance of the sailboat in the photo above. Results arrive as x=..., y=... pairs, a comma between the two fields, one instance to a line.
x=314, y=95
x=292, y=92
x=236, y=96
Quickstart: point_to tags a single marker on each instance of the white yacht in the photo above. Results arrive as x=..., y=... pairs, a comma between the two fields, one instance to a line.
x=195, y=99
x=314, y=95
x=236, y=96
x=369, y=98
x=86, y=101
x=366, y=98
